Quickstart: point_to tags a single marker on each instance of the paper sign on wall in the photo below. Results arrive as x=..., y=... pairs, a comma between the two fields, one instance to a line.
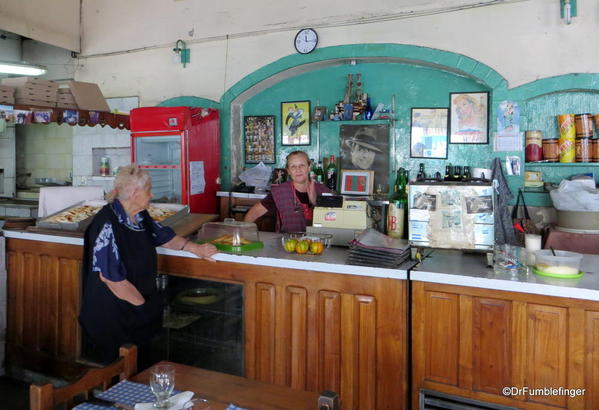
x=197, y=180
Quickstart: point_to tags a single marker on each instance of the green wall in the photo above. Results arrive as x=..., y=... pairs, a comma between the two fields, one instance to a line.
x=410, y=86
x=417, y=77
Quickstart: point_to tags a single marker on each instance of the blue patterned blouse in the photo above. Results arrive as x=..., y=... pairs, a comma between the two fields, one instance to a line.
x=106, y=259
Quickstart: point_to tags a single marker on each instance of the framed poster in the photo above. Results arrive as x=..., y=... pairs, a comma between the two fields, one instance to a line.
x=366, y=148
x=259, y=139
x=428, y=133
x=295, y=123
x=357, y=182
x=469, y=118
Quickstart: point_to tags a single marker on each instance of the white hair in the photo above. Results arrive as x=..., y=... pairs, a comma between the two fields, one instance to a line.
x=128, y=179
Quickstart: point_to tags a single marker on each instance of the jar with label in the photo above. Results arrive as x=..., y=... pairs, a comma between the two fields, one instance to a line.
x=551, y=149
x=104, y=166
x=533, y=146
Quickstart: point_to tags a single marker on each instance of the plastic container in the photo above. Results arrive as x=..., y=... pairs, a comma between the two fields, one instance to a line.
x=563, y=263
x=231, y=235
x=305, y=243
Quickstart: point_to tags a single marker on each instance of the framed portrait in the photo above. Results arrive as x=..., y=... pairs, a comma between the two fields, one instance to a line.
x=278, y=176
x=469, y=118
x=259, y=139
x=357, y=182
x=428, y=133
x=366, y=148
x=295, y=123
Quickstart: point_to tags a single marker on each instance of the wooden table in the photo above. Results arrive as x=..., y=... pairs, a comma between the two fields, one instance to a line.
x=224, y=389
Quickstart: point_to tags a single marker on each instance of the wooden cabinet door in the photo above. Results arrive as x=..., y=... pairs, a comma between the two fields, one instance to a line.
x=43, y=305
x=495, y=339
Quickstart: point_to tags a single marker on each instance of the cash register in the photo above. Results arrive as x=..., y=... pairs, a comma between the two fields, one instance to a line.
x=340, y=216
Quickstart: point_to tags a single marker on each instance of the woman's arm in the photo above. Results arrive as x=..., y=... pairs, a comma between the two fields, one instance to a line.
x=124, y=290
x=204, y=251
x=255, y=212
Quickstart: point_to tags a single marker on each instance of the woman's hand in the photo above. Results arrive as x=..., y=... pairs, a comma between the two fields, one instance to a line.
x=204, y=251
x=312, y=192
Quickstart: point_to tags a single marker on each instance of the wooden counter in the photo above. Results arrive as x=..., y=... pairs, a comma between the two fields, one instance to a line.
x=304, y=328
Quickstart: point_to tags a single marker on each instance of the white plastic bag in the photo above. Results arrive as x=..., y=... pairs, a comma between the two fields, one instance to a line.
x=259, y=176
x=578, y=195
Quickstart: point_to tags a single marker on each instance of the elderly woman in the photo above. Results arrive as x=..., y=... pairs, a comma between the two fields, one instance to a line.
x=121, y=303
x=293, y=201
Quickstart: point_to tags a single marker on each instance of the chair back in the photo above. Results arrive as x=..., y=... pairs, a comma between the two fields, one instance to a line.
x=47, y=397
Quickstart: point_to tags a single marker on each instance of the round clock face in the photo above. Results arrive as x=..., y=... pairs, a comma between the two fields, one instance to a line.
x=306, y=41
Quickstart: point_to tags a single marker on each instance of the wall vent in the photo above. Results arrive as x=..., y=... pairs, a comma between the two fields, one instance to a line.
x=432, y=400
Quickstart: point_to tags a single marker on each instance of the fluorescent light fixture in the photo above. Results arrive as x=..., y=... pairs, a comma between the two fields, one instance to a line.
x=21, y=69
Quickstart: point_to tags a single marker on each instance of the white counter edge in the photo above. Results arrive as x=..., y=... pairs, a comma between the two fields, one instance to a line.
x=507, y=285
x=250, y=260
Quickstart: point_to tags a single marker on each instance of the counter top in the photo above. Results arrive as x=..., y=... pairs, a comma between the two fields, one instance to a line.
x=331, y=261
x=240, y=195
x=457, y=268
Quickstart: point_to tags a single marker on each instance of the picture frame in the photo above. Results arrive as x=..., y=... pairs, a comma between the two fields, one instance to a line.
x=259, y=131
x=295, y=123
x=428, y=133
x=278, y=176
x=320, y=113
x=469, y=118
x=357, y=182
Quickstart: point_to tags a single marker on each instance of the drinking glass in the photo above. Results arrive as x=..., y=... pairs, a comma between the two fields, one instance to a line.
x=197, y=404
x=162, y=383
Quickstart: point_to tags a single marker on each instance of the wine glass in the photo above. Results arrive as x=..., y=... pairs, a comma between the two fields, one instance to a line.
x=162, y=383
x=197, y=404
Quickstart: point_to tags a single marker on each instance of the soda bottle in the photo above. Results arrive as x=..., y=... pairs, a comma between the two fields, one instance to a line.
x=332, y=174
x=421, y=175
x=313, y=170
x=448, y=173
x=319, y=173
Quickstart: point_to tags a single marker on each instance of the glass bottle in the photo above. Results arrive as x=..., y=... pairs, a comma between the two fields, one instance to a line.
x=313, y=170
x=368, y=109
x=319, y=173
x=457, y=173
x=398, y=204
x=421, y=174
x=332, y=174
x=467, y=176
x=448, y=173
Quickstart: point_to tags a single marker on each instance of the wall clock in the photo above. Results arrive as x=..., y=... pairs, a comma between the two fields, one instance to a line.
x=305, y=40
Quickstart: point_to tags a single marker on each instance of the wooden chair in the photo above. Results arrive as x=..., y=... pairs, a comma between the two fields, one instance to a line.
x=47, y=397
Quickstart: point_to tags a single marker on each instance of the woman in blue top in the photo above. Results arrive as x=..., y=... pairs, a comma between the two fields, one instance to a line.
x=121, y=303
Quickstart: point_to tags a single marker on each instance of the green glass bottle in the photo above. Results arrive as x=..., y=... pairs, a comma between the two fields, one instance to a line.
x=398, y=203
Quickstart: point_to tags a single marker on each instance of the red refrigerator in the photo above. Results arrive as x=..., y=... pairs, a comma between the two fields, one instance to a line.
x=180, y=148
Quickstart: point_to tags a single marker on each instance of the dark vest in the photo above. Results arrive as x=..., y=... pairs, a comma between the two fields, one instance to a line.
x=108, y=321
x=288, y=220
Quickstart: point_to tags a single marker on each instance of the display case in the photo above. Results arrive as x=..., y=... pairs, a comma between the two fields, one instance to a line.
x=231, y=235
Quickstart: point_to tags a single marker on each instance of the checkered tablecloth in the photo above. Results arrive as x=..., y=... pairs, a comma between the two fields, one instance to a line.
x=130, y=393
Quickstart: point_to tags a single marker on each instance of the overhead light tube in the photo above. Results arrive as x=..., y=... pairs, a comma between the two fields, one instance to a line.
x=22, y=69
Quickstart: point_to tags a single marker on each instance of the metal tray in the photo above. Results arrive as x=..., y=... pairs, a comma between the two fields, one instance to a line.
x=181, y=212
x=70, y=226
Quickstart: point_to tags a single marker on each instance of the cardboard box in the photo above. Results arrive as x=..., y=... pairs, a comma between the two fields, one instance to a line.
x=34, y=101
x=88, y=96
x=6, y=89
x=29, y=81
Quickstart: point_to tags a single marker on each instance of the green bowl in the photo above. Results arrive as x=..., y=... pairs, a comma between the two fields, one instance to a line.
x=557, y=275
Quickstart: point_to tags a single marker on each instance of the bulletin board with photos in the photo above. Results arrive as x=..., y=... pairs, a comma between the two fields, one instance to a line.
x=259, y=139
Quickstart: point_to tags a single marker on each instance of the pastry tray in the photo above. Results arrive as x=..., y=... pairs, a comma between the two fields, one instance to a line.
x=70, y=226
x=181, y=212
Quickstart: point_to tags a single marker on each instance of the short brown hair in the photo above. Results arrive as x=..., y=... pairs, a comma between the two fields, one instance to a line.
x=298, y=152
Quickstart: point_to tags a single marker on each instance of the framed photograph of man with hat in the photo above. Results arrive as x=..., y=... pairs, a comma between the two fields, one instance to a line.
x=366, y=147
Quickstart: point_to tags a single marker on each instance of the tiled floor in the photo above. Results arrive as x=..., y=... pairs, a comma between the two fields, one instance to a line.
x=14, y=394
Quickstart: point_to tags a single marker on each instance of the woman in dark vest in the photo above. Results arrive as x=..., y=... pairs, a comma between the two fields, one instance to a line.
x=121, y=303
x=293, y=201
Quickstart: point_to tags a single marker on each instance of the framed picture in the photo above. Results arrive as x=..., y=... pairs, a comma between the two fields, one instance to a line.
x=320, y=113
x=366, y=148
x=259, y=139
x=357, y=182
x=469, y=118
x=428, y=133
x=278, y=176
x=295, y=123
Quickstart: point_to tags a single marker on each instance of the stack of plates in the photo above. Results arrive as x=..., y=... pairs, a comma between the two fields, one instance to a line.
x=372, y=248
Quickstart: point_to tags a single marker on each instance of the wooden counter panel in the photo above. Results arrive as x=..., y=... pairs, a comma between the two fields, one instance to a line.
x=504, y=339
x=318, y=331
x=43, y=303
